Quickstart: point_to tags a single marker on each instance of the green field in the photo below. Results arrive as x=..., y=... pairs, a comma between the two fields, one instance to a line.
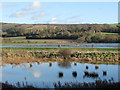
x=79, y=49
x=23, y=40
x=104, y=34
x=111, y=33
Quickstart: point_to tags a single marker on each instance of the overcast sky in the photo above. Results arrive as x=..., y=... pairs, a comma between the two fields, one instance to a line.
x=59, y=12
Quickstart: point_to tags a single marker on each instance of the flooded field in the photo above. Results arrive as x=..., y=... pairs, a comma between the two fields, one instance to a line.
x=66, y=45
x=44, y=74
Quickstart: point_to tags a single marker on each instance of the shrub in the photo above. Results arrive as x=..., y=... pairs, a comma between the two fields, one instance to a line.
x=65, y=53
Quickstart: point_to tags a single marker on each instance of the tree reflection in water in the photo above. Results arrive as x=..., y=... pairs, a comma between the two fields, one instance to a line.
x=64, y=64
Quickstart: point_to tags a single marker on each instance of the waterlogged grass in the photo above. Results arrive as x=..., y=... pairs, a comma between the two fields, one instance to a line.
x=79, y=49
x=14, y=48
x=22, y=56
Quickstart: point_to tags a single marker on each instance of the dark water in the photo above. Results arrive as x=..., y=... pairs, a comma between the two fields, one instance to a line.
x=45, y=74
x=72, y=45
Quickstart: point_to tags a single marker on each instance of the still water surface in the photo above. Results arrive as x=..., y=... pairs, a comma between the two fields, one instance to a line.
x=45, y=74
x=66, y=45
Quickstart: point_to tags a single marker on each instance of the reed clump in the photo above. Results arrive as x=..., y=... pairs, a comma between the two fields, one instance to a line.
x=98, y=84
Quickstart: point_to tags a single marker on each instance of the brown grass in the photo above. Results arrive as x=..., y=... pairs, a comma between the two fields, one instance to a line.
x=18, y=56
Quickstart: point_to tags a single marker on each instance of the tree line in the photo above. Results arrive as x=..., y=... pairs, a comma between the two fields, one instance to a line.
x=78, y=32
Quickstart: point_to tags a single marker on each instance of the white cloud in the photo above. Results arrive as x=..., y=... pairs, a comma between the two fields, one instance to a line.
x=20, y=14
x=25, y=11
x=2, y=5
x=34, y=72
x=39, y=16
x=35, y=5
x=5, y=5
x=53, y=20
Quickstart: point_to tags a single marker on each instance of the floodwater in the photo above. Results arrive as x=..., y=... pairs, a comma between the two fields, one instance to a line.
x=44, y=74
x=71, y=45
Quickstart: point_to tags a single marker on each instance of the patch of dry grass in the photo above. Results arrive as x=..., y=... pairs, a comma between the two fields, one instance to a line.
x=17, y=56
